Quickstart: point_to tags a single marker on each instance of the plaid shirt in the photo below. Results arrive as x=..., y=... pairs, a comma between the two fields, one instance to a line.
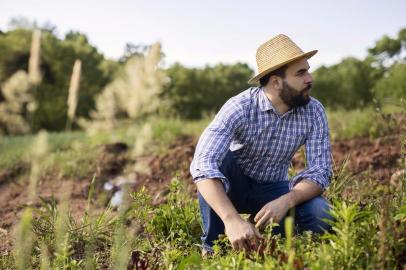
x=264, y=142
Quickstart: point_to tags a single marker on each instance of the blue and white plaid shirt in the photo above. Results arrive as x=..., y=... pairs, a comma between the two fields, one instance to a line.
x=263, y=142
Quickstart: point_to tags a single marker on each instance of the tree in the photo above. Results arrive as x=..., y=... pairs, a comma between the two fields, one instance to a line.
x=347, y=84
x=388, y=51
x=389, y=54
x=196, y=91
x=393, y=84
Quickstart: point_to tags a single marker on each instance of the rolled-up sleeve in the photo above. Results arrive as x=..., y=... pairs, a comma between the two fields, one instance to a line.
x=318, y=153
x=214, y=143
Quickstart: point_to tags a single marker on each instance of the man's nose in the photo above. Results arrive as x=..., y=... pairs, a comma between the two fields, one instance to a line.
x=308, y=79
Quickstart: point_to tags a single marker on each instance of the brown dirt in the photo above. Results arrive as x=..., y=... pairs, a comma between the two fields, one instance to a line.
x=175, y=163
x=380, y=157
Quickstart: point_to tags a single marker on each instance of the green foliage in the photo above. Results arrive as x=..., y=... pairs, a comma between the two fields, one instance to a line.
x=388, y=55
x=354, y=83
x=401, y=215
x=365, y=122
x=177, y=220
x=358, y=123
x=386, y=47
x=393, y=85
x=346, y=84
x=192, y=260
x=141, y=207
x=348, y=243
x=390, y=46
x=194, y=92
x=340, y=180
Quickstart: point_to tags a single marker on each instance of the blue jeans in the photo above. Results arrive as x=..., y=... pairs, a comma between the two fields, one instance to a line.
x=248, y=197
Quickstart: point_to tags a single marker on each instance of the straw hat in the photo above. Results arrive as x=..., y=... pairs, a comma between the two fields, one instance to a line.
x=275, y=53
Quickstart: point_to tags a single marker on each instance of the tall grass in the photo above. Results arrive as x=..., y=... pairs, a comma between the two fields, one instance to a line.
x=132, y=94
x=366, y=122
x=69, y=149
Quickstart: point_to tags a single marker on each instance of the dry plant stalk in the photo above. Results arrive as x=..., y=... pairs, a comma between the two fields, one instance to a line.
x=383, y=233
x=143, y=138
x=34, y=63
x=45, y=262
x=73, y=92
x=23, y=241
x=61, y=224
x=23, y=234
x=123, y=235
x=39, y=150
x=104, y=118
x=133, y=93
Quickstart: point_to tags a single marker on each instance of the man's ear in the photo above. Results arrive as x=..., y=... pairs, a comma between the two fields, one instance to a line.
x=276, y=82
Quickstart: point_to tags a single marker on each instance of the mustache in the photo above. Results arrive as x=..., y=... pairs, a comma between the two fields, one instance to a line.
x=307, y=88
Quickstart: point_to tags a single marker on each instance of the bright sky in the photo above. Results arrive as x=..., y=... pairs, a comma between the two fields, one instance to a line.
x=196, y=33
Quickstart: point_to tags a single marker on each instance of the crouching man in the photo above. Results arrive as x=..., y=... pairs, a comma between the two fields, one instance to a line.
x=242, y=158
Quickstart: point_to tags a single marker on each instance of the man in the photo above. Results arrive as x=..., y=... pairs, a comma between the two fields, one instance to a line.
x=242, y=158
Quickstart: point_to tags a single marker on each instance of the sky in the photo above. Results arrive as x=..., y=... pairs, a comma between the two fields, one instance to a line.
x=197, y=33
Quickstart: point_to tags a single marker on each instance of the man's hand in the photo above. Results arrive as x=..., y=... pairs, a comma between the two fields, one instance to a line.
x=273, y=211
x=242, y=234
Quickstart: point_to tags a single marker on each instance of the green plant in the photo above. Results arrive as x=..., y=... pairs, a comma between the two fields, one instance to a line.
x=177, y=220
x=340, y=180
x=347, y=241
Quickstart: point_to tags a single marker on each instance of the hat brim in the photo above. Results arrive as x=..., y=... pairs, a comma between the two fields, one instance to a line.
x=255, y=79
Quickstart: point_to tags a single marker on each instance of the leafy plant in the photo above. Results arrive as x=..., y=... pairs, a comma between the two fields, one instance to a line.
x=177, y=220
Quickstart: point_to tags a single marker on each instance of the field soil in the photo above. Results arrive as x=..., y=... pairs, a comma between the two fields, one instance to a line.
x=378, y=159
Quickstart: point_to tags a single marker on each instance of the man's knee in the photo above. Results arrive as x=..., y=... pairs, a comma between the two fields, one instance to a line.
x=314, y=215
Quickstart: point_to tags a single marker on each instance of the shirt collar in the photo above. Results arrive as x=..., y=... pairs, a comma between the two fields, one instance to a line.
x=264, y=103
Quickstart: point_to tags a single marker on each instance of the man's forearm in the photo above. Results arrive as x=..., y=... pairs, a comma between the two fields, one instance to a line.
x=213, y=192
x=302, y=192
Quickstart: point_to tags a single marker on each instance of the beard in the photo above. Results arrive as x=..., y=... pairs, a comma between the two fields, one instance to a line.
x=293, y=97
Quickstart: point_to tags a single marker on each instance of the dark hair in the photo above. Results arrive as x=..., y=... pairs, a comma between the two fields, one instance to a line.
x=277, y=72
